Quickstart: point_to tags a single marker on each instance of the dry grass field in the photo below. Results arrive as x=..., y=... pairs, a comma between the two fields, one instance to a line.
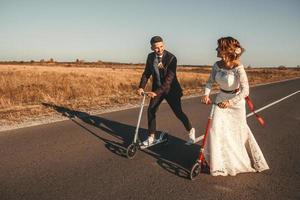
x=26, y=89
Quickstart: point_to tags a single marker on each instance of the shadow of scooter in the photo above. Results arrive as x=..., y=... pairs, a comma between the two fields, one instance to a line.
x=118, y=130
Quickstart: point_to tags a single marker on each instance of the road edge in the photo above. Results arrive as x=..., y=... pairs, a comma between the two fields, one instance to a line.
x=60, y=118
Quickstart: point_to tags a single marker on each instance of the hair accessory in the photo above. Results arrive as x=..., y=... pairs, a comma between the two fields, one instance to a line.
x=238, y=51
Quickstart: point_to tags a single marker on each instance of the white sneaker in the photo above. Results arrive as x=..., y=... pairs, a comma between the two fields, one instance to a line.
x=192, y=138
x=149, y=141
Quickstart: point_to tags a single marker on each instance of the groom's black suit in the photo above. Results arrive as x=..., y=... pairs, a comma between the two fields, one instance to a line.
x=166, y=86
x=170, y=84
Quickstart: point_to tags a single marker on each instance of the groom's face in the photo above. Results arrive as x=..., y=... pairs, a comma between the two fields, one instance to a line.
x=158, y=48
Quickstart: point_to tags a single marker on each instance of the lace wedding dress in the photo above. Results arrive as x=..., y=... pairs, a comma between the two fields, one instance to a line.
x=231, y=147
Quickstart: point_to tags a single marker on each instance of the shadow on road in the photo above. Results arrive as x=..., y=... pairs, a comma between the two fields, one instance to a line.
x=176, y=157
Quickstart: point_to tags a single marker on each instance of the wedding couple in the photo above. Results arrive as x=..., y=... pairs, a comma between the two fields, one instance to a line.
x=231, y=147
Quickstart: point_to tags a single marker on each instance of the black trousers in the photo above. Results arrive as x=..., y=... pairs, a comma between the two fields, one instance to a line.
x=175, y=104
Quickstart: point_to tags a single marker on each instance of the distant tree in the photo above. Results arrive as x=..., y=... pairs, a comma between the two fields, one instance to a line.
x=32, y=61
x=79, y=61
x=42, y=61
x=281, y=67
x=298, y=66
x=249, y=67
x=51, y=60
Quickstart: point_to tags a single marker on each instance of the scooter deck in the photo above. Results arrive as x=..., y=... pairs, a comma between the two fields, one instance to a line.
x=160, y=140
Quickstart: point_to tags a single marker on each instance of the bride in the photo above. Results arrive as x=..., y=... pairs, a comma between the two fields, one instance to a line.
x=231, y=147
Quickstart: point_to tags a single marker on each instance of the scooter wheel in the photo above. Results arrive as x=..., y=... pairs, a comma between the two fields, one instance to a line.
x=131, y=151
x=195, y=171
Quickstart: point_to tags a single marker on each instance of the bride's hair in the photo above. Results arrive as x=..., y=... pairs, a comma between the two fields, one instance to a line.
x=230, y=48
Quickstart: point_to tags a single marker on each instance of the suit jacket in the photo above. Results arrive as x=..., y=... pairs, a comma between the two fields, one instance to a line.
x=169, y=82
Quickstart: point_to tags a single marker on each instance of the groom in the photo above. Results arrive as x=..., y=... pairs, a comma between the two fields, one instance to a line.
x=161, y=65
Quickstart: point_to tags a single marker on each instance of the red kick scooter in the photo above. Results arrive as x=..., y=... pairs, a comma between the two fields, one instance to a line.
x=200, y=163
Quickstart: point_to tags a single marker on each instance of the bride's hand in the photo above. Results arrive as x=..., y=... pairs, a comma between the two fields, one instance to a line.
x=205, y=99
x=224, y=104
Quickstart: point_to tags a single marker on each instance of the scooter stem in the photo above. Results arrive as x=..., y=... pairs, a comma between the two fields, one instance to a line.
x=139, y=119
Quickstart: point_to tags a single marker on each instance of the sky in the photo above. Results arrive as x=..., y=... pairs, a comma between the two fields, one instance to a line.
x=120, y=30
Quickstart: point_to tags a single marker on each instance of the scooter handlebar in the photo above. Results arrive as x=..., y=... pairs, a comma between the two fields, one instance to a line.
x=145, y=93
x=209, y=102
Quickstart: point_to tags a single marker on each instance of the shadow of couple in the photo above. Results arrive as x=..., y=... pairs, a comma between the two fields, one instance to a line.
x=176, y=157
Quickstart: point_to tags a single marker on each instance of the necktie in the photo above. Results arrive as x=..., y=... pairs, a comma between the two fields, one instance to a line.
x=156, y=69
x=159, y=59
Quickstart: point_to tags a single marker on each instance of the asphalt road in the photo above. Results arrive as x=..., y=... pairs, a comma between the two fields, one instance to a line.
x=83, y=158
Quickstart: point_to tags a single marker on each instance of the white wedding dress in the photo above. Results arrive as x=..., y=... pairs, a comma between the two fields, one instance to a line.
x=231, y=147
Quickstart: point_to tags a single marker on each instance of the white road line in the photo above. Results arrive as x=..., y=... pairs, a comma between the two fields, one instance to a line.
x=258, y=110
x=271, y=104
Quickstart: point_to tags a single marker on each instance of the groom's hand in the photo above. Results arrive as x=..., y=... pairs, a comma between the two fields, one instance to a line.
x=152, y=94
x=140, y=91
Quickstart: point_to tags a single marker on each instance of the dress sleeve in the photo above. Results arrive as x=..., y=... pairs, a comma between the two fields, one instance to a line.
x=210, y=80
x=244, y=86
